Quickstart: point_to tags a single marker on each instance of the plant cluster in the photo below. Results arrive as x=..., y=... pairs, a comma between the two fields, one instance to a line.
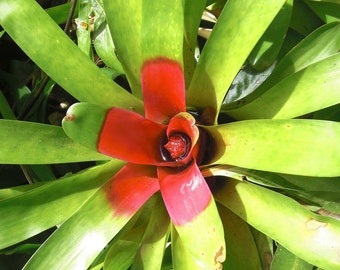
x=164, y=134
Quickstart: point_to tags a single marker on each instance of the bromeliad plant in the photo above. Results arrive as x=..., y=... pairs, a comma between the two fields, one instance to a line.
x=231, y=160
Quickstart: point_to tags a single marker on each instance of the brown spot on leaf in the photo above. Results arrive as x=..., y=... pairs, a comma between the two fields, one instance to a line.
x=69, y=117
x=313, y=224
x=219, y=258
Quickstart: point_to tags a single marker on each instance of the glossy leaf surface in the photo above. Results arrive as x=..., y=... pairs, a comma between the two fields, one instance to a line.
x=268, y=47
x=47, y=144
x=289, y=98
x=56, y=201
x=103, y=216
x=110, y=132
x=135, y=48
x=311, y=237
x=271, y=145
x=198, y=213
x=319, y=45
x=239, y=242
x=16, y=18
x=284, y=259
x=234, y=34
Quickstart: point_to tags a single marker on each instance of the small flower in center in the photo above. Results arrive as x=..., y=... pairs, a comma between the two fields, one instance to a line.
x=178, y=146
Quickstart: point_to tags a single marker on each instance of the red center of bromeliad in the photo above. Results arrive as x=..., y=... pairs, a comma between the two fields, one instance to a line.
x=177, y=146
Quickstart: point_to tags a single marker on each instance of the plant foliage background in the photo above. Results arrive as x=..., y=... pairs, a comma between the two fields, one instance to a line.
x=263, y=79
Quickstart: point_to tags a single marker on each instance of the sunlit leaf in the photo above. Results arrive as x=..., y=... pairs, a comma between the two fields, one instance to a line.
x=239, y=241
x=271, y=145
x=132, y=40
x=67, y=65
x=49, y=204
x=32, y=143
x=268, y=47
x=314, y=238
x=236, y=32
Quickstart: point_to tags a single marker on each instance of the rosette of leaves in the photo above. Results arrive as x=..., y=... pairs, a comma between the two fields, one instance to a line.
x=264, y=89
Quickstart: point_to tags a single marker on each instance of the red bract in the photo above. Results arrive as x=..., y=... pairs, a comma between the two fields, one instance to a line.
x=160, y=148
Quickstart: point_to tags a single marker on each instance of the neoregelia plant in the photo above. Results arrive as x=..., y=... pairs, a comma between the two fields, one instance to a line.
x=226, y=156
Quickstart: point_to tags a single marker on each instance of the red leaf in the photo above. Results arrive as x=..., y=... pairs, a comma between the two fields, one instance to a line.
x=185, y=192
x=131, y=187
x=131, y=137
x=163, y=89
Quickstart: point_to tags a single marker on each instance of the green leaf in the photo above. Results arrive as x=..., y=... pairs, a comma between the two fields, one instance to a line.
x=304, y=20
x=84, y=27
x=44, y=206
x=151, y=252
x=5, y=109
x=79, y=240
x=60, y=13
x=35, y=143
x=236, y=32
x=283, y=259
x=318, y=46
x=301, y=147
x=208, y=250
x=51, y=49
x=143, y=38
x=268, y=47
x=326, y=10
x=193, y=10
x=124, y=247
x=239, y=241
x=182, y=259
x=314, y=238
x=289, y=98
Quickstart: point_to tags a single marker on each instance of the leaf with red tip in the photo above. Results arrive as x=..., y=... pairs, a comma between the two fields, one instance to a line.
x=185, y=192
x=131, y=187
x=163, y=89
x=193, y=212
x=117, y=133
x=131, y=137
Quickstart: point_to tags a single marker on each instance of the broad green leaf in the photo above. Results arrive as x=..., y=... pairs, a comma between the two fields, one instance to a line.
x=326, y=10
x=59, y=57
x=143, y=38
x=47, y=205
x=151, y=251
x=102, y=39
x=283, y=259
x=263, y=178
x=79, y=240
x=264, y=246
x=311, y=89
x=321, y=44
x=105, y=49
x=6, y=193
x=247, y=81
x=318, y=46
x=236, y=32
x=35, y=143
x=331, y=113
x=301, y=147
x=5, y=110
x=239, y=241
x=182, y=259
x=208, y=250
x=84, y=27
x=268, y=47
x=60, y=13
x=314, y=238
x=125, y=246
x=193, y=10
x=304, y=20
